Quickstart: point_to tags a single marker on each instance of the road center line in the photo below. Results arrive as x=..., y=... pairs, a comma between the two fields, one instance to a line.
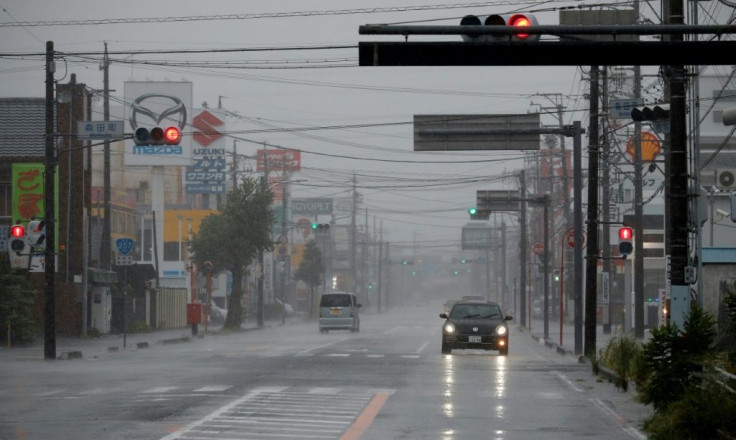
x=364, y=420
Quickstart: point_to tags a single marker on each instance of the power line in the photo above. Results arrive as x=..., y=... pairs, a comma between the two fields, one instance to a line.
x=254, y=16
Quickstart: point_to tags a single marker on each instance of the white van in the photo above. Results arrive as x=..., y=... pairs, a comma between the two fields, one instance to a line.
x=339, y=310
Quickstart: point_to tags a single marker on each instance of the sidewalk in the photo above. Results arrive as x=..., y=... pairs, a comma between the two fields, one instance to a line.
x=567, y=345
x=91, y=347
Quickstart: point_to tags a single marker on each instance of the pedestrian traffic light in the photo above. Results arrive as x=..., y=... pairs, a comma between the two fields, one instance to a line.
x=625, y=236
x=17, y=239
x=556, y=275
x=518, y=21
x=659, y=112
x=157, y=136
x=36, y=232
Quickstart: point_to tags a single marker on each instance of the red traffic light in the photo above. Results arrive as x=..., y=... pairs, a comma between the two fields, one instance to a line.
x=625, y=233
x=172, y=136
x=520, y=21
x=17, y=231
x=157, y=136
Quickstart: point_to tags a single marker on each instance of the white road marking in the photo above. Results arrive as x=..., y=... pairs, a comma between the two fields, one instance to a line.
x=303, y=352
x=212, y=389
x=569, y=383
x=158, y=390
x=421, y=349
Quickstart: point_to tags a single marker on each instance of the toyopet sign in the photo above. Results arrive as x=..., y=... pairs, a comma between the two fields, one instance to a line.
x=159, y=104
x=313, y=206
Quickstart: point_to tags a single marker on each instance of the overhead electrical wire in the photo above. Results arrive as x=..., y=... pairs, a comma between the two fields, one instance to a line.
x=255, y=16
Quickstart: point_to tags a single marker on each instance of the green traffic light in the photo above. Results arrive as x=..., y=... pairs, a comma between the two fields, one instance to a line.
x=314, y=225
x=473, y=210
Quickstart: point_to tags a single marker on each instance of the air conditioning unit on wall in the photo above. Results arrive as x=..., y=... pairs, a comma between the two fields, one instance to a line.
x=726, y=179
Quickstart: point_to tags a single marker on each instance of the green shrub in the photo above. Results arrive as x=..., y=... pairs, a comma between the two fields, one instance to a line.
x=704, y=411
x=16, y=308
x=139, y=327
x=623, y=355
x=672, y=359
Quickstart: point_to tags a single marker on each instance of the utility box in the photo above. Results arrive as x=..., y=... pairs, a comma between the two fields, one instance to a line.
x=194, y=313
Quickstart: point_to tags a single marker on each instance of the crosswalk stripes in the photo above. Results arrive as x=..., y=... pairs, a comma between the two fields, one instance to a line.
x=283, y=412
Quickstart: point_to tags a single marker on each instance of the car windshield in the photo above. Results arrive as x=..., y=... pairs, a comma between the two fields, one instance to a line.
x=335, y=300
x=475, y=311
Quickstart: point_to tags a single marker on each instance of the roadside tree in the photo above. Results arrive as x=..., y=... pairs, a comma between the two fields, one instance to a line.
x=231, y=239
x=311, y=271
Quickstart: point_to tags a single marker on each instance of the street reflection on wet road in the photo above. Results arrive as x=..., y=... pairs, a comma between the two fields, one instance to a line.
x=498, y=383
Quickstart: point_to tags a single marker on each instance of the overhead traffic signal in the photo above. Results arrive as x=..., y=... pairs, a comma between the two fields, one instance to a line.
x=625, y=237
x=659, y=112
x=320, y=227
x=519, y=21
x=157, y=136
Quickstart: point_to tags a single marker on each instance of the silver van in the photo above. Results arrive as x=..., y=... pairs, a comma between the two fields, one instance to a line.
x=339, y=310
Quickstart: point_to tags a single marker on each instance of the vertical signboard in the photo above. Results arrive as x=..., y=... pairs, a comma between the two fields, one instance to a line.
x=158, y=104
x=207, y=174
x=28, y=201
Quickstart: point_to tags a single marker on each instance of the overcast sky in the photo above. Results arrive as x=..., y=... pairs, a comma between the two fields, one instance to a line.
x=417, y=196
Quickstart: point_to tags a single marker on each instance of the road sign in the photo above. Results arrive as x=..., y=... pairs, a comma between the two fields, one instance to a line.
x=476, y=237
x=476, y=132
x=570, y=238
x=87, y=130
x=123, y=260
x=497, y=200
x=125, y=245
x=621, y=108
x=538, y=248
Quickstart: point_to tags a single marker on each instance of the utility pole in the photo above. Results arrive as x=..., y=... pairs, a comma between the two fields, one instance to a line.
x=522, y=251
x=353, y=232
x=261, y=275
x=105, y=245
x=380, y=267
x=591, y=264
x=677, y=193
x=235, y=163
x=49, y=344
x=606, y=206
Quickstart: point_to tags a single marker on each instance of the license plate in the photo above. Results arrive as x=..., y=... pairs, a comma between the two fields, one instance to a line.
x=474, y=339
x=335, y=311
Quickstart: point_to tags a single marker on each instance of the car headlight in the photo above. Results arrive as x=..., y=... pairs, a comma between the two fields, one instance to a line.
x=501, y=330
x=449, y=328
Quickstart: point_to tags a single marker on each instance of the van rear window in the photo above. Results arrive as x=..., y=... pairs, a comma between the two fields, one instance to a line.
x=335, y=300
